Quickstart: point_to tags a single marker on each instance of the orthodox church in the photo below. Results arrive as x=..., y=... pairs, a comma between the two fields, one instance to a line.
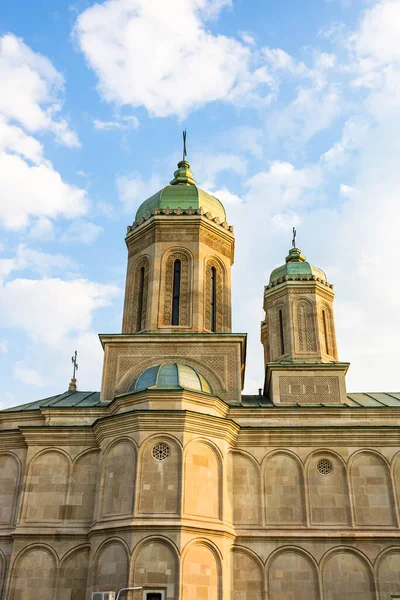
x=170, y=480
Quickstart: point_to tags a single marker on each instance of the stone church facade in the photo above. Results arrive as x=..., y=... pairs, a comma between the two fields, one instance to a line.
x=170, y=479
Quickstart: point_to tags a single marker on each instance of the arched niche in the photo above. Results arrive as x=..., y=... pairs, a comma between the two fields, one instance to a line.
x=247, y=579
x=371, y=490
x=328, y=492
x=347, y=576
x=156, y=566
x=200, y=573
x=159, y=487
x=72, y=582
x=34, y=575
x=388, y=573
x=111, y=569
x=9, y=486
x=202, y=495
x=83, y=487
x=292, y=576
x=47, y=487
x=284, y=490
x=245, y=484
x=396, y=476
x=305, y=330
x=118, y=478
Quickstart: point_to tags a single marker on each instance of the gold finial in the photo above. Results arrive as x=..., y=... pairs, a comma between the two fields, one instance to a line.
x=72, y=385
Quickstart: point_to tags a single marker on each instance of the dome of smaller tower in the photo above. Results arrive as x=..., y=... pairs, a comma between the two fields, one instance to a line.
x=182, y=192
x=296, y=267
x=171, y=376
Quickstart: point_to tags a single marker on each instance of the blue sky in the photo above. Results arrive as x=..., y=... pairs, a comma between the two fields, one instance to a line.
x=292, y=116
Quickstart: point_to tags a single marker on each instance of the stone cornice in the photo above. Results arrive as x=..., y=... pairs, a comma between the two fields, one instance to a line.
x=59, y=435
x=204, y=401
x=170, y=421
x=11, y=439
x=20, y=416
x=177, y=216
x=311, y=534
x=353, y=436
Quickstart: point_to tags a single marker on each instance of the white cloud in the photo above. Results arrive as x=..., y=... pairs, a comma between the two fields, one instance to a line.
x=33, y=90
x=225, y=196
x=210, y=166
x=3, y=347
x=36, y=261
x=36, y=191
x=133, y=190
x=284, y=185
x=29, y=185
x=83, y=232
x=28, y=375
x=189, y=65
x=49, y=309
x=123, y=122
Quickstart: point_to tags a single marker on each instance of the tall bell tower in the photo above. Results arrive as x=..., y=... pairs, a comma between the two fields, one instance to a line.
x=178, y=292
x=298, y=335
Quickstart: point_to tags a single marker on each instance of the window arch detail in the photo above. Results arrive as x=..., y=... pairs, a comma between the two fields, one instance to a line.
x=213, y=298
x=140, y=292
x=280, y=342
x=183, y=296
x=305, y=327
x=326, y=330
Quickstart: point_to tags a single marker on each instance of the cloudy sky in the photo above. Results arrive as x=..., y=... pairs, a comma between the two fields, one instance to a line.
x=293, y=117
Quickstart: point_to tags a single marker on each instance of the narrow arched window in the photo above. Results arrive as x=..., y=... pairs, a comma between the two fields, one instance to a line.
x=176, y=292
x=325, y=326
x=213, y=299
x=282, y=339
x=140, y=300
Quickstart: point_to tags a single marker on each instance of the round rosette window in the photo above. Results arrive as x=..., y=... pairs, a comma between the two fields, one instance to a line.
x=324, y=466
x=161, y=451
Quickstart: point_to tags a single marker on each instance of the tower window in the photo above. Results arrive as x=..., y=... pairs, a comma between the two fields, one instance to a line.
x=282, y=339
x=176, y=292
x=213, y=300
x=140, y=300
x=325, y=326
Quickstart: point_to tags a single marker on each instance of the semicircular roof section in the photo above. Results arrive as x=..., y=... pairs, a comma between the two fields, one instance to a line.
x=296, y=266
x=182, y=192
x=171, y=376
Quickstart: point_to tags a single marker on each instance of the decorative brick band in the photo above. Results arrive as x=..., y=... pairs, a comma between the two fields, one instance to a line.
x=179, y=211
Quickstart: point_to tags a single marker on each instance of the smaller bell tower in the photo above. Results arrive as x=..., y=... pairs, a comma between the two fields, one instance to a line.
x=298, y=335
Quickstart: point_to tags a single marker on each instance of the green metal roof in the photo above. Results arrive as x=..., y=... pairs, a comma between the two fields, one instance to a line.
x=171, y=376
x=64, y=400
x=183, y=193
x=296, y=266
x=364, y=400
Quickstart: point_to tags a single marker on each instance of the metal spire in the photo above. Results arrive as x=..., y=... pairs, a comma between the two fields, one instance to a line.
x=72, y=385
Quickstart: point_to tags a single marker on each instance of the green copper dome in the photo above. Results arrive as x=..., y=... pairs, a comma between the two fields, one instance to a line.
x=296, y=267
x=171, y=376
x=182, y=192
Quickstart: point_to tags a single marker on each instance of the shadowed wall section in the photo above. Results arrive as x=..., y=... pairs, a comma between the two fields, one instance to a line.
x=47, y=486
x=159, y=486
x=328, y=493
x=371, y=487
x=292, y=576
x=111, y=568
x=34, y=576
x=284, y=490
x=119, y=479
x=83, y=488
x=247, y=581
x=245, y=490
x=389, y=575
x=73, y=576
x=9, y=485
x=346, y=576
x=155, y=566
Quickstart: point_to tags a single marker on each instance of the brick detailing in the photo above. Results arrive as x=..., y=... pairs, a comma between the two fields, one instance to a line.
x=312, y=390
